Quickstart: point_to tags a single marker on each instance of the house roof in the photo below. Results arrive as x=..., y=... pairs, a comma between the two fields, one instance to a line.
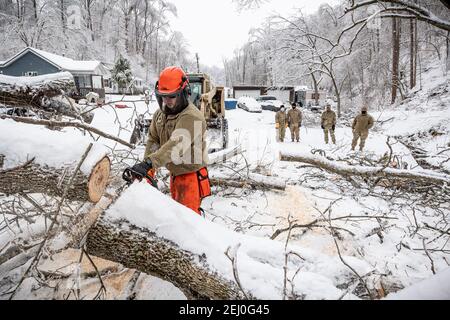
x=63, y=63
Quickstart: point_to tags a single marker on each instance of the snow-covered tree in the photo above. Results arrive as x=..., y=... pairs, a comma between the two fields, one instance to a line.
x=121, y=73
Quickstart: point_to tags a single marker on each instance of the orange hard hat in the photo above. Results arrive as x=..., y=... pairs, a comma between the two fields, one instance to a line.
x=171, y=81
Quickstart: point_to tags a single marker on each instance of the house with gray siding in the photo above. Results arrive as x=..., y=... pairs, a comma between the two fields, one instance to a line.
x=88, y=75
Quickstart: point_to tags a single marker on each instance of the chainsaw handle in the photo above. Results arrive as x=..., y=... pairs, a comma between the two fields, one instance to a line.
x=129, y=175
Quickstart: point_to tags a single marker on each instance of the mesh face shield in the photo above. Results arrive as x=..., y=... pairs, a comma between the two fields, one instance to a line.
x=181, y=94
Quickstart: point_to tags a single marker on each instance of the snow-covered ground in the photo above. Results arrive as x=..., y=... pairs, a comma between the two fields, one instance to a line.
x=384, y=239
x=390, y=238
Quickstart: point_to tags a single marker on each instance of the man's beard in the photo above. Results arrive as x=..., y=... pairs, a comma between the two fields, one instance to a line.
x=175, y=109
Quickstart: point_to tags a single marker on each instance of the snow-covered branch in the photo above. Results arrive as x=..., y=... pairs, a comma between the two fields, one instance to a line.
x=420, y=12
x=62, y=124
x=426, y=176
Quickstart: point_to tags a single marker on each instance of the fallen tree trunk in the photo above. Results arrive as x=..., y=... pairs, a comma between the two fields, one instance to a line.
x=35, y=178
x=426, y=176
x=224, y=155
x=158, y=236
x=23, y=91
x=145, y=251
x=253, y=180
x=54, y=159
x=42, y=93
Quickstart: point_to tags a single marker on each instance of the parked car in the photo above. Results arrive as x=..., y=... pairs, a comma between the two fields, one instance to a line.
x=249, y=104
x=315, y=108
x=269, y=103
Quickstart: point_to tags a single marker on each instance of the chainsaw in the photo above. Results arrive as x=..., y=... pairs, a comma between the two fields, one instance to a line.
x=130, y=175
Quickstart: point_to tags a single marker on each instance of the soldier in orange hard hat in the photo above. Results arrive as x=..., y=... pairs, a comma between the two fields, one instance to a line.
x=176, y=140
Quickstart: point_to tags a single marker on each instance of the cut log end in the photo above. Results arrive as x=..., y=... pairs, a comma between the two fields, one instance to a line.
x=99, y=179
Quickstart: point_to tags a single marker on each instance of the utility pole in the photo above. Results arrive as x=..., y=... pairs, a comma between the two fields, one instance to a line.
x=198, y=65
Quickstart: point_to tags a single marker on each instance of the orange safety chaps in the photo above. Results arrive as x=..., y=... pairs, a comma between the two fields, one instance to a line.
x=189, y=189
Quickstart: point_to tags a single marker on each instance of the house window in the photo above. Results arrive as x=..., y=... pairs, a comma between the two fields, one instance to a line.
x=97, y=82
x=29, y=74
x=83, y=81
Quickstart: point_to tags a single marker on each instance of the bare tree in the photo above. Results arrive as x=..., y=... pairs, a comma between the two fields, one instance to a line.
x=396, y=36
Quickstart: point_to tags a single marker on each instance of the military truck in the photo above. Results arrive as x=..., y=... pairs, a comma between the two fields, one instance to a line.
x=210, y=100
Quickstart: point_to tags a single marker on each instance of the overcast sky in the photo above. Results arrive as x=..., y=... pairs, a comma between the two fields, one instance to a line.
x=214, y=28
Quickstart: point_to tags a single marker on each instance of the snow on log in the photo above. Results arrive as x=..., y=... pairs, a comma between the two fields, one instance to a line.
x=43, y=93
x=31, y=90
x=39, y=160
x=32, y=178
x=427, y=176
x=254, y=180
x=223, y=155
x=148, y=231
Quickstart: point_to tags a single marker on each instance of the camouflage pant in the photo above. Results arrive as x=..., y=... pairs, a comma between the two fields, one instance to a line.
x=331, y=131
x=295, y=132
x=359, y=135
x=281, y=131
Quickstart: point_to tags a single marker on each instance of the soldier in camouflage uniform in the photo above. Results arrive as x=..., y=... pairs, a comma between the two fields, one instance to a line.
x=328, y=123
x=361, y=125
x=280, y=124
x=294, y=118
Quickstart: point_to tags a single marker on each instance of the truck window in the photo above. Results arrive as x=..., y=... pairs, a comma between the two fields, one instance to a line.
x=196, y=91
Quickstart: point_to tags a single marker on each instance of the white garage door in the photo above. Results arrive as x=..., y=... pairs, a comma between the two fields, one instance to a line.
x=248, y=93
x=282, y=95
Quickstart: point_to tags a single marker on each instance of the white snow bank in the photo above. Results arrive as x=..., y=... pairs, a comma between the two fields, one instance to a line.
x=405, y=122
x=259, y=261
x=436, y=287
x=21, y=142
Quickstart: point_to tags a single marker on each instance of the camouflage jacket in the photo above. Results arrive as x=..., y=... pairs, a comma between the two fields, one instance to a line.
x=294, y=117
x=280, y=117
x=362, y=123
x=328, y=119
